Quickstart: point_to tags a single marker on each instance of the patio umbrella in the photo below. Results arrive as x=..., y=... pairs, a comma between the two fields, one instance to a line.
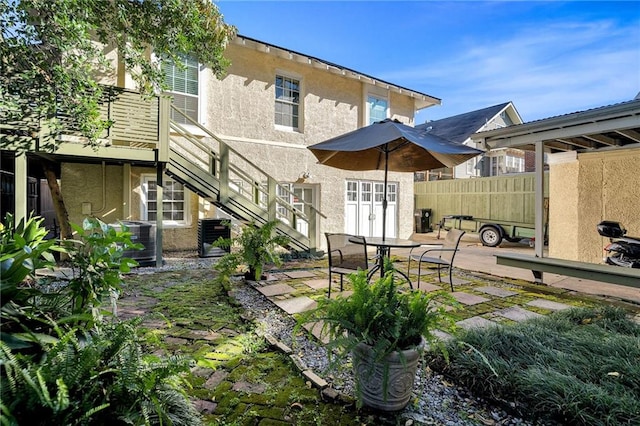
x=390, y=145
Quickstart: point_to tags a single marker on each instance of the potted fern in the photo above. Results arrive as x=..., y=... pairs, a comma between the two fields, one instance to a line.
x=251, y=250
x=385, y=331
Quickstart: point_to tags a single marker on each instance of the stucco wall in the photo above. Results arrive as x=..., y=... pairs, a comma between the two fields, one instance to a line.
x=563, y=210
x=82, y=183
x=240, y=111
x=598, y=186
x=86, y=183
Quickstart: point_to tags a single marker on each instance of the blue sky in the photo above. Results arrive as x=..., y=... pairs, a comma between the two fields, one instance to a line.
x=548, y=58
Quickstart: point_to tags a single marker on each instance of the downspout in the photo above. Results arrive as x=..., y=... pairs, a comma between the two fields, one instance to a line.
x=104, y=190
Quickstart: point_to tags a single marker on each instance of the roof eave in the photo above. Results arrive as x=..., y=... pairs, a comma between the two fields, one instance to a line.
x=421, y=100
x=625, y=114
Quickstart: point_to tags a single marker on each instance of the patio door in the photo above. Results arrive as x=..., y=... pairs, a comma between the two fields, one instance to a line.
x=363, y=208
x=301, y=197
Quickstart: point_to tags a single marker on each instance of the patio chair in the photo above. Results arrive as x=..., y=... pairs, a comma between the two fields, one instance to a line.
x=347, y=254
x=441, y=256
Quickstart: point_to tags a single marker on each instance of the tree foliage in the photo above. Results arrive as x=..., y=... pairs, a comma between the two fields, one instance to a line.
x=52, y=54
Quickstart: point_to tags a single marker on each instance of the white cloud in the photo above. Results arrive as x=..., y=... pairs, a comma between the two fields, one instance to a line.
x=545, y=70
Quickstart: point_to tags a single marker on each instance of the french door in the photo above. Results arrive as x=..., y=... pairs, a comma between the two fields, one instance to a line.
x=363, y=208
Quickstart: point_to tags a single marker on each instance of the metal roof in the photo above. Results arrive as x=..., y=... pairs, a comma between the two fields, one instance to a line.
x=422, y=100
x=610, y=127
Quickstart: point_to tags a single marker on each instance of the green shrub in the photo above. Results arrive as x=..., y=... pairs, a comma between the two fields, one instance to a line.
x=60, y=362
x=98, y=262
x=101, y=377
x=252, y=249
x=578, y=366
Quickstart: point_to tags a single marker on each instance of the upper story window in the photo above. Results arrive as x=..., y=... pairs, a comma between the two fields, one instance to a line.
x=183, y=83
x=506, y=119
x=287, y=108
x=378, y=108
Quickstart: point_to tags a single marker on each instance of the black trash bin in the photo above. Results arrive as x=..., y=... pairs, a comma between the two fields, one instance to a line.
x=423, y=221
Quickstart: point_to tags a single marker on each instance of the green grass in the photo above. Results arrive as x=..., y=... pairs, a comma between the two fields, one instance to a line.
x=580, y=366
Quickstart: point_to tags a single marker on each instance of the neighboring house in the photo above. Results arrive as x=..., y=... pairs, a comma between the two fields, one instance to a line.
x=594, y=158
x=459, y=129
x=236, y=147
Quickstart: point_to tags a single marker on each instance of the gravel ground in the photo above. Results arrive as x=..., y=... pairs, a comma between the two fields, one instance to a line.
x=436, y=401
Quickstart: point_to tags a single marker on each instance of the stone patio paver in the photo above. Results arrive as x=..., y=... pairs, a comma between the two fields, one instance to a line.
x=215, y=379
x=296, y=305
x=475, y=322
x=516, y=313
x=300, y=274
x=249, y=387
x=276, y=289
x=318, y=284
x=548, y=304
x=468, y=298
x=428, y=287
x=496, y=291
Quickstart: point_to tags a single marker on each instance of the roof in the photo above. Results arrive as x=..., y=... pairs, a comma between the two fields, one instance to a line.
x=611, y=126
x=422, y=100
x=459, y=127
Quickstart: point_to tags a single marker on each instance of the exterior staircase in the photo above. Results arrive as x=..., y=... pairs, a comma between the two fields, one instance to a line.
x=211, y=168
x=148, y=131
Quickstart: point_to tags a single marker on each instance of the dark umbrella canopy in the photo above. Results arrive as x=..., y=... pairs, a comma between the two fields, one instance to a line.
x=408, y=149
x=391, y=145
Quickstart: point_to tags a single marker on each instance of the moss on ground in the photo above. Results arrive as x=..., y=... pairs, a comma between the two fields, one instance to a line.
x=191, y=300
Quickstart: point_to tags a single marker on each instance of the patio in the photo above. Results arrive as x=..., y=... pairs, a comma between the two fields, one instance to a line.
x=237, y=379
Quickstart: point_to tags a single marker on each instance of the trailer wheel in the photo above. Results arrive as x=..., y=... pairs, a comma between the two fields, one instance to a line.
x=490, y=236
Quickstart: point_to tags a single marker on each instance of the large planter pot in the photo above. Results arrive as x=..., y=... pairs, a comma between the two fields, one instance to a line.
x=397, y=370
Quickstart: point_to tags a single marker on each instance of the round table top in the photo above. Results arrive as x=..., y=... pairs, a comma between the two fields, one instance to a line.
x=390, y=242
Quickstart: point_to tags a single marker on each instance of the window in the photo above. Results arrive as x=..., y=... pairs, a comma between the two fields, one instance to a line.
x=515, y=164
x=287, y=102
x=183, y=85
x=352, y=191
x=175, y=201
x=471, y=166
x=377, y=108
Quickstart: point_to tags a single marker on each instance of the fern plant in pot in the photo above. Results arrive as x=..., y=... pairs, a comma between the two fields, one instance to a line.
x=385, y=331
x=251, y=250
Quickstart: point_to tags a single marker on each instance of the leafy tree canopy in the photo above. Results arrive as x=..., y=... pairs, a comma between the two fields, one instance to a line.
x=52, y=51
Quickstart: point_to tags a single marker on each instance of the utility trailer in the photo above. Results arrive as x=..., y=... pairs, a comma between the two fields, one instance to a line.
x=490, y=231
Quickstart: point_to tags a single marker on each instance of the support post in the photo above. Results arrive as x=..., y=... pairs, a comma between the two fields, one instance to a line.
x=539, y=205
x=160, y=212
x=20, y=190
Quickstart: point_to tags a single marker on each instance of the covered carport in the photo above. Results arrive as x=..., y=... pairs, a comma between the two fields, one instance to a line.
x=594, y=162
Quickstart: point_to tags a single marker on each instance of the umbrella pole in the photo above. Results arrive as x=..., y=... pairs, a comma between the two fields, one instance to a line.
x=384, y=193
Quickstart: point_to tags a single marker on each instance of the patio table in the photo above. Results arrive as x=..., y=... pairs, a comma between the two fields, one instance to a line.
x=383, y=250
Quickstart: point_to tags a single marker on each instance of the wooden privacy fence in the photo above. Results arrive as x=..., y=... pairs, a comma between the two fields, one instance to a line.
x=502, y=198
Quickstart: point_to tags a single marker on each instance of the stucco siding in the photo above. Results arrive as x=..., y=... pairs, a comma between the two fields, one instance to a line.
x=563, y=210
x=85, y=183
x=598, y=186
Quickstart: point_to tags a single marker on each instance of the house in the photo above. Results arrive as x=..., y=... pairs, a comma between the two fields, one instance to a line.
x=593, y=158
x=459, y=129
x=234, y=147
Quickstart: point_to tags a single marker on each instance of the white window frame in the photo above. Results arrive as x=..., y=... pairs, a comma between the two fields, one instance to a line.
x=145, y=179
x=202, y=100
x=377, y=97
x=300, y=104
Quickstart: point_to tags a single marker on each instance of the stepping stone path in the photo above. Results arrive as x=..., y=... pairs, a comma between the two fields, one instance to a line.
x=468, y=298
x=296, y=305
x=496, y=291
x=276, y=290
x=475, y=322
x=516, y=313
x=548, y=304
